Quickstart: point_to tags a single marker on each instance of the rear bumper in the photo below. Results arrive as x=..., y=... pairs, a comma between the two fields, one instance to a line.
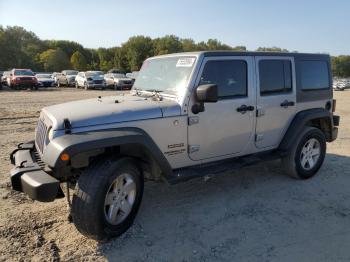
x=334, y=132
x=28, y=177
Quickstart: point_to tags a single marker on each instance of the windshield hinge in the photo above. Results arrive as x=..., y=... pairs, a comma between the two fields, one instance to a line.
x=67, y=126
x=192, y=120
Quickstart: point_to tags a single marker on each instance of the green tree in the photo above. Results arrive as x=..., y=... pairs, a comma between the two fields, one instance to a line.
x=18, y=48
x=54, y=60
x=138, y=48
x=78, y=61
x=188, y=45
x=341, y=66
x=106, y=58
x=120, y=59
x=167, y=45
x=69, y=47
x=214, y=44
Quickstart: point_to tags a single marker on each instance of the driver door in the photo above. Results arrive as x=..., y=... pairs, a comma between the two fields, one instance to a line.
x=223, y=129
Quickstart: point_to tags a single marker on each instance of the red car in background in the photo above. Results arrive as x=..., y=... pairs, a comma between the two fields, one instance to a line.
x=23, y=78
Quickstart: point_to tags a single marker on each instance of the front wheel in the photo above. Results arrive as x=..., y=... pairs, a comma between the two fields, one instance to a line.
x=307, y=154
x=107, y=198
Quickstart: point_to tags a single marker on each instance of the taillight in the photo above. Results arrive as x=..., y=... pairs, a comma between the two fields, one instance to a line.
x=334, y=105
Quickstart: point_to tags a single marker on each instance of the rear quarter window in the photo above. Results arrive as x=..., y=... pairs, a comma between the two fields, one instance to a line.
x=314, y=75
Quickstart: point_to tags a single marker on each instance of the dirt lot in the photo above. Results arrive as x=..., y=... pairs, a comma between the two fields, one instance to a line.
x=254, y=214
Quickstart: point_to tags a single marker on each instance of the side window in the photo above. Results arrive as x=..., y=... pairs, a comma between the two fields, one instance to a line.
x=275, y=76
x=314, y=75
x=229, y=75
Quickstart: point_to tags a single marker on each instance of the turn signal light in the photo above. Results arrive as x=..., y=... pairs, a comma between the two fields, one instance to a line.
x=64, y=157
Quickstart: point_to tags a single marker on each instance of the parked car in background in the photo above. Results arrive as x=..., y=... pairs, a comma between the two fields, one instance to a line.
x=340, y=84
x=66, y=78
x=90, y=80
x=56, y=76
x=116, y=71
x=5, y=78
x=45, y=80
x=23, y=78
x=118, y=81
x=132, y=75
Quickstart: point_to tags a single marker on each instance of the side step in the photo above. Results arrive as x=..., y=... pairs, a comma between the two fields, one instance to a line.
x=219, y=167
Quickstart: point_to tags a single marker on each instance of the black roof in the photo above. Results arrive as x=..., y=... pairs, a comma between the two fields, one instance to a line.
x=248, y=53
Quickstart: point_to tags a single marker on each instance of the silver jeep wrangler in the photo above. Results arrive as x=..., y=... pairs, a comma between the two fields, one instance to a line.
x=188, y=115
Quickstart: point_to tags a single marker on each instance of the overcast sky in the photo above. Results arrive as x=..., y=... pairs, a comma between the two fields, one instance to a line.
x=305, y=26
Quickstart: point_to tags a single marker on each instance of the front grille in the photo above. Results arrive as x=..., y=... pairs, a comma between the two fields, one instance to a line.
x=40, y=136
x=25, y=78
x=127, y=82
x=38, y=159
x=97, y=81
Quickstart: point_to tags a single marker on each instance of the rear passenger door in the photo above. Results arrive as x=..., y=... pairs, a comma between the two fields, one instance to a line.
x=276, y=98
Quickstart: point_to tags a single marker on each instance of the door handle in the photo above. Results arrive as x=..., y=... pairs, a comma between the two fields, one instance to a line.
x=287, y=103
x=244, y=108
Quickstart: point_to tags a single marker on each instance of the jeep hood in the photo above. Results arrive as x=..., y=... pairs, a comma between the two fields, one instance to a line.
x=107, y=110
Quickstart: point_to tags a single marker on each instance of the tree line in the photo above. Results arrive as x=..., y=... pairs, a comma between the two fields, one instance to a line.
x=20, y=48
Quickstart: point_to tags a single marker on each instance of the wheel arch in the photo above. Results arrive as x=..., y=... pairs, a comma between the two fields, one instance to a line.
x=127, y=142
x=318, y=117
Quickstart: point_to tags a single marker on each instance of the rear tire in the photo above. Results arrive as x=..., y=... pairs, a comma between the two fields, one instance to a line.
x=103, y=208
x=307, y=154
x=86, y=86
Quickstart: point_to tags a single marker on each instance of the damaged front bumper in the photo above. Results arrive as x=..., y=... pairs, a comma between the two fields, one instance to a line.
x=29, y=177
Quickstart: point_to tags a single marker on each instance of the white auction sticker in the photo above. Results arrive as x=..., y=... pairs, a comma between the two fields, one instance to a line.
x=185, y=62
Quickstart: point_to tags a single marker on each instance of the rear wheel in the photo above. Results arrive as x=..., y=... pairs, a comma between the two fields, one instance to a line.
x=307, y=155
x=58, y=84
x=76, y=85
x=86, y=86
x=107, y=198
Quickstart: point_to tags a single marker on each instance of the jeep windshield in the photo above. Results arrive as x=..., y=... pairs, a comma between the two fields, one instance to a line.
x=169, y=75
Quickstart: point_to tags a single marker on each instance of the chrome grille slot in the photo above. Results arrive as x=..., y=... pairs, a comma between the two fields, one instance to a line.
x=40, y=136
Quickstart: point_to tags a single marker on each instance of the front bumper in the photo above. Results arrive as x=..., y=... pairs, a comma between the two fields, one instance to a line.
x=29, y=177
x=96, y=85
x=24, y=84
x=46, y=83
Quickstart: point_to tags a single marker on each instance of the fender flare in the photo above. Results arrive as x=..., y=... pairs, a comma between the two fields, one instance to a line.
x=300, y=121
x=77, y=143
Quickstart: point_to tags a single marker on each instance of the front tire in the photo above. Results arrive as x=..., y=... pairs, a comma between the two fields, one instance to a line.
x=307, y=154
x=107, y=197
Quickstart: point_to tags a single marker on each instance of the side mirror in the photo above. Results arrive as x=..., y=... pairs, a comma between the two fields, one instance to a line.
x=205, y=94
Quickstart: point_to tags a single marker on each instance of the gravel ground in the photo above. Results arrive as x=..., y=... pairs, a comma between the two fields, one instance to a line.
x=254, y=214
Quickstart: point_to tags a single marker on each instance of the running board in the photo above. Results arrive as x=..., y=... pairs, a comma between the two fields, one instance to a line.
x=219, y=167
